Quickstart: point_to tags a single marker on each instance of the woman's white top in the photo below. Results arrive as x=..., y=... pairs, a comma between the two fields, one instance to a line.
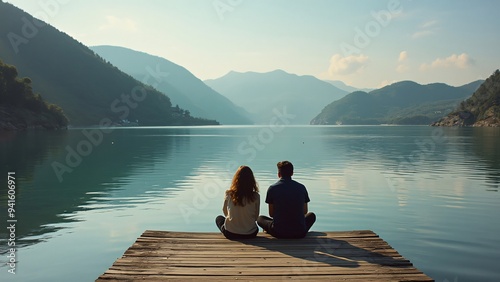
x=241, y=219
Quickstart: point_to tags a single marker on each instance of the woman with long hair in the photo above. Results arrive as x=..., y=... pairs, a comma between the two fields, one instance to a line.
x=241, y=206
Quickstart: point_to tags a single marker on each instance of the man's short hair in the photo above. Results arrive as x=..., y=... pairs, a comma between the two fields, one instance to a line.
x=285, y=168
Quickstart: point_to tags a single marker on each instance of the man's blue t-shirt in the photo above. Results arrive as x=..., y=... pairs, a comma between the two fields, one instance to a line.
x=288, y=198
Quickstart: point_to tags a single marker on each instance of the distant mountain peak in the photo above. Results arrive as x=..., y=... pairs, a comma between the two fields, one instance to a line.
x=233, y=72
x=261, y=93
x=178, y=83
x=405, y=83
x=280, y=71
x=348, y=88
x=276, y=71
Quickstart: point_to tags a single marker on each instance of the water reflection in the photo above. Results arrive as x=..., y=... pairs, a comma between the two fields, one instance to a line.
x=128, y=168
x=485, y=142
x=24, y=153
x=409, y=153
x=44, y=203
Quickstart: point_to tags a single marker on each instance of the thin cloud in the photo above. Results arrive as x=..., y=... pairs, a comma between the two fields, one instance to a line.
x=429, y=24
x=461, y=61
x=402, y=66
x=427, y=28
x=347, y=65
x=403, y=56
x=423, y=33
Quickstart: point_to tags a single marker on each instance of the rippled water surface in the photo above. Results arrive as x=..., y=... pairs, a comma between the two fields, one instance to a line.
x=81, y=201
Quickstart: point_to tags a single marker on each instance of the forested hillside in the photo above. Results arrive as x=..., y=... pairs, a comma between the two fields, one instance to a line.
x=20, y=108
x=482, y=109
x=72, y=76
x=404, y=102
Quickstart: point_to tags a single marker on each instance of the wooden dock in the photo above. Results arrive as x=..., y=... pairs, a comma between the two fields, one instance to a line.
x=332, y=256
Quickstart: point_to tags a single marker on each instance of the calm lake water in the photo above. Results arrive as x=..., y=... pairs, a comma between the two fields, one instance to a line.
x=431, y=193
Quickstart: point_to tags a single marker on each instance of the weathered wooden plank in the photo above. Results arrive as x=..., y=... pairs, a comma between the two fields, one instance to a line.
x=333, y=249
x=262, y=271
x=268, y=243
x=311, y=233
x=342, y=256
x=274, y=244
x=364, y=278
x=263, y=253
x=259, y=241
x=274, y=261
x=221, y=270
x=260, y=263
x=209, y=235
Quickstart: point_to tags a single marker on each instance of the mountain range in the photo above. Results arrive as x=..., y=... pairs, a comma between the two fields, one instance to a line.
x=348, y=88
x=262, y=93
x=180, y=85
x=404, y=102
x=122, y=85
x=69, y=74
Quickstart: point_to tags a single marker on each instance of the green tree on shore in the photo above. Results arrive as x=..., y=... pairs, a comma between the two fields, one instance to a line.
x=24, y=107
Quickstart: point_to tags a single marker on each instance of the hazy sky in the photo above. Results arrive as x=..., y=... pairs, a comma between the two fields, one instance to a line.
x=367, y=43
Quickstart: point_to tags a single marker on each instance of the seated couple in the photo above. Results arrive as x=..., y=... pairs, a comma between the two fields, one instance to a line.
x=287, y=201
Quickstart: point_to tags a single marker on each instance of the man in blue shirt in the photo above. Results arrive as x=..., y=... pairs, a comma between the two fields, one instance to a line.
x=287, y=201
